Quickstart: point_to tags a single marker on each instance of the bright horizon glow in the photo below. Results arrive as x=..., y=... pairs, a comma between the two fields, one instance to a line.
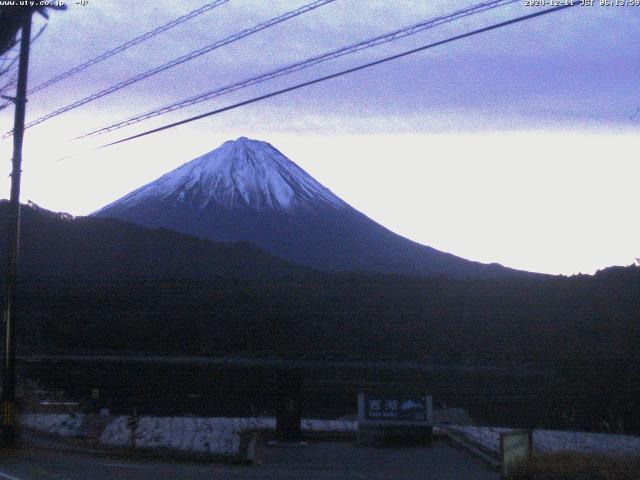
x=559, y=203
x=517, y=146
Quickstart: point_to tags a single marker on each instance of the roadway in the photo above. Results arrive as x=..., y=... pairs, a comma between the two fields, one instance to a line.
x=318, y=461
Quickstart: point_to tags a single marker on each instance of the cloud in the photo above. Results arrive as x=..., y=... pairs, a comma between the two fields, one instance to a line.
x=570, y=67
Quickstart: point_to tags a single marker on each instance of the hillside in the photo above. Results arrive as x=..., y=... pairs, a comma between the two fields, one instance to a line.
x=168, y=294
x=106, y=250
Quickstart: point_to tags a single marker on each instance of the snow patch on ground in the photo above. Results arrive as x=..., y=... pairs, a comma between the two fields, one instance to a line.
x=187, y=434
x=329, y=426
x=553, y=441
x=220, y=436
x=65, y=425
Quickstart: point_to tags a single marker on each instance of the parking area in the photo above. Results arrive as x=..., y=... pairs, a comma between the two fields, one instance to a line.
x=347, y=460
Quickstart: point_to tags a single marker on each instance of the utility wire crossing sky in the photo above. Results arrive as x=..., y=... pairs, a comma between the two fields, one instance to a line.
x=309, y=62
x=339, y=74
x=178, y=61
x=131, y=43
x=492, y=148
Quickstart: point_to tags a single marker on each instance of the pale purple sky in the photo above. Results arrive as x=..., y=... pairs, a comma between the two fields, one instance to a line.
x=516, y=146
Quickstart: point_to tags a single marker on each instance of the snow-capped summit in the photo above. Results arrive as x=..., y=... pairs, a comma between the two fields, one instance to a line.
x=241, y=174
x=246, y=190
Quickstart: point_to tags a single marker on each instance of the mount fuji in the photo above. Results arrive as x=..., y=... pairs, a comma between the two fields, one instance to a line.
x=246, y=190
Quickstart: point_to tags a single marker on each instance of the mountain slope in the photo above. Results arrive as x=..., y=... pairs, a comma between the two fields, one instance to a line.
x=246, y=190
x=95, y=249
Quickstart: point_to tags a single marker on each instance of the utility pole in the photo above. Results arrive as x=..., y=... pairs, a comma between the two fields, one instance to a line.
x=13, y=237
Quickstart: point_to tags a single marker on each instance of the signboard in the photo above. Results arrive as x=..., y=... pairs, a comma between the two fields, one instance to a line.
x=515, y=449
x=395, y=408
x=394, y=418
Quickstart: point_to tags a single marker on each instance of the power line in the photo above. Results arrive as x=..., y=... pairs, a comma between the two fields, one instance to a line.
x=14, y=77
x=342, y=73
x=185, y=58
x=356, y=47
x=9, y=84
x=12, y=64
x=142, y=38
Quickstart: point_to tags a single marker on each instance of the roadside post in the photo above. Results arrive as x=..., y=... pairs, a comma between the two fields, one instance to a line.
x=395, y=418
x=288, y=407
x=515, y=449
x=95, y=399
x=132, y=425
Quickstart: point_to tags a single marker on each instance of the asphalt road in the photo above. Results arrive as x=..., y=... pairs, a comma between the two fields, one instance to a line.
x=322, y=460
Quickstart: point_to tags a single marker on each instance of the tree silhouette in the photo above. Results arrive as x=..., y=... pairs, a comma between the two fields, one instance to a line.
x=11, y=18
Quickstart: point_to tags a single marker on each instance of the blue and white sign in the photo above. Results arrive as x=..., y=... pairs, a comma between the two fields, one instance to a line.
x=404, y=408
